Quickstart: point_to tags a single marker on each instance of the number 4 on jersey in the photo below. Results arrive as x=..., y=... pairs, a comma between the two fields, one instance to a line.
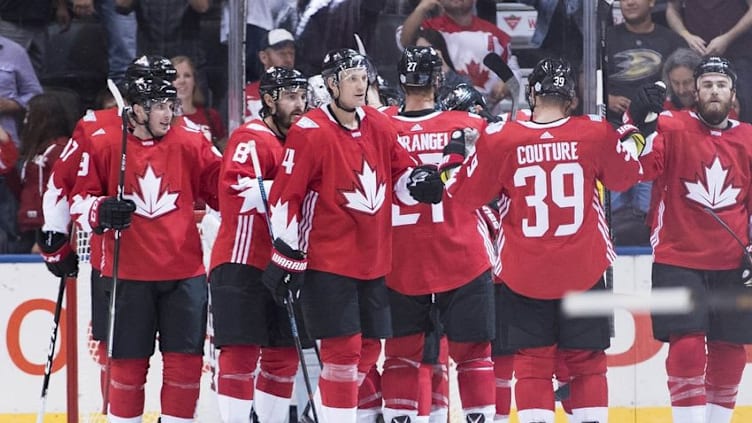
x=289, y=161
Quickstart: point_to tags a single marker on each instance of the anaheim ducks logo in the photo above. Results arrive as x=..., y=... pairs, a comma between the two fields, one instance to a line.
x=636, y=64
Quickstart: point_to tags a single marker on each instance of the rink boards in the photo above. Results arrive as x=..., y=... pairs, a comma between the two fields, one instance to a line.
x=637, y=379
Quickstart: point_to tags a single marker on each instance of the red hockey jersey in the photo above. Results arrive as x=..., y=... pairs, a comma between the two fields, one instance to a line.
x=455, y=245
x=468, y=46
x=243, y=235
x=554, y=236
x=696, y=167
x=164, y=178
x=333, y=192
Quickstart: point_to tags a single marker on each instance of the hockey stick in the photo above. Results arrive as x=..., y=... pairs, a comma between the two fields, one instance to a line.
x=123, y=112
x=51, y=350
x=494, y=62
x=290, y=299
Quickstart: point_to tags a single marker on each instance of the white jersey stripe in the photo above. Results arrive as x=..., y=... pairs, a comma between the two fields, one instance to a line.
x=306, y=222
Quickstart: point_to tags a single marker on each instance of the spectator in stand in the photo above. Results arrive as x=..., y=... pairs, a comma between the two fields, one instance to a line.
x=170, y=28
x=719, y=28
x=25, y=22
x=325, y=25
x=468, y=38
x=193, y=104
x=558, y=30
x=45, y=133
x=8, y=201
x=121, y=33
x=636, y=51
x=678, y=74
x=277, y=49
x=18, y=84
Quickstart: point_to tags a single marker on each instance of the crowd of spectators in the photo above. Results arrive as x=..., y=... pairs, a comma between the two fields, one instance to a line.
x=298, y=33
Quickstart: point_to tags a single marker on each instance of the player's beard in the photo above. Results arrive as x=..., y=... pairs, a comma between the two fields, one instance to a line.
x=287, y=120
x=714, y=112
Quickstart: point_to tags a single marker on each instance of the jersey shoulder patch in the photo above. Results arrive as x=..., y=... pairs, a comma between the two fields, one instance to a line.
x=306, y=123
x=595, y=118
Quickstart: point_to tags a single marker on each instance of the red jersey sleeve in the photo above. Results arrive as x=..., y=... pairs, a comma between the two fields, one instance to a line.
x=8, y=156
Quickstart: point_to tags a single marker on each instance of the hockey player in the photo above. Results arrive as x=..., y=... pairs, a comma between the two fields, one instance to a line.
x=161, y=280
x=59, y=257
x=700, y=162
x=423, y=283
x=550, y=214
x=331, y=217
x=247, y=322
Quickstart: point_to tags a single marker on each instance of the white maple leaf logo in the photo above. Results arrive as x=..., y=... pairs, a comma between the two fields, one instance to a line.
x=247, y=188
x=283, y=227
x=152, y=202
x=371, y=197
x=715, y=194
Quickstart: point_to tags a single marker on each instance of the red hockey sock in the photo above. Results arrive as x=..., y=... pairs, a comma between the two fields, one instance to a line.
x=726, y=363
x=401, y=381
x=440, y=378
x=278, y=368
x=685, y=367
x=236, y=366
x=369, y=392
x=587, y=386
x=475, y=374
x=338, y=383
x=181, y=379
x=534, y=369
x=128, y=377
x=503, y=369
x=101, y=358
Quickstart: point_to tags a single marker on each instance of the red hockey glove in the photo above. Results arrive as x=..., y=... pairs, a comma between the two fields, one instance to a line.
x=57, y=253
x=425, y=185
x=285, y=271
x=111, y=213
x=630, y=135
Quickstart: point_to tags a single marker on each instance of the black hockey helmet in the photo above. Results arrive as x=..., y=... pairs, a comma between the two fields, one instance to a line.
x=151, y=66
x=420, y=67
x=551, y=76
x=463, y=98
x=342, y=59
x=715, y=64
x=147, y=90
x=389, y=95
x=278, y=77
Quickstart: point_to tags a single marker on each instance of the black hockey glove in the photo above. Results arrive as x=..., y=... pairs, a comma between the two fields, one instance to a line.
x=746, y=268
x=650, y=99
x=285, y=271
x=425, y=185
x=57, y=253
x=109, y=213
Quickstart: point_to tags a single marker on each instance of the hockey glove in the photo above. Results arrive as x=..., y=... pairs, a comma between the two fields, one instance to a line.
x=111, y=213
x=57, y=253
x=425, y=185
x=285, y=271
x=746, y=267
x=631, y=139
x=643, y=110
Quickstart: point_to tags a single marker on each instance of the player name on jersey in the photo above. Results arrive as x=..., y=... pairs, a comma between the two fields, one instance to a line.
x=424, y=142
x=547, y=152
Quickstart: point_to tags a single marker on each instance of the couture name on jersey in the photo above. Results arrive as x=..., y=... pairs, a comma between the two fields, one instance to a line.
x=424, y=142
x=547, y=152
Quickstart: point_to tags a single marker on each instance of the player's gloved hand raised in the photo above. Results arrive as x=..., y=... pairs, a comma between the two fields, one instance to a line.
x=111, y=213
x=746, y=267
x=285, y=271
x=425, y=185
x=631, y=139
x=644, y=109
x=57, y=253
